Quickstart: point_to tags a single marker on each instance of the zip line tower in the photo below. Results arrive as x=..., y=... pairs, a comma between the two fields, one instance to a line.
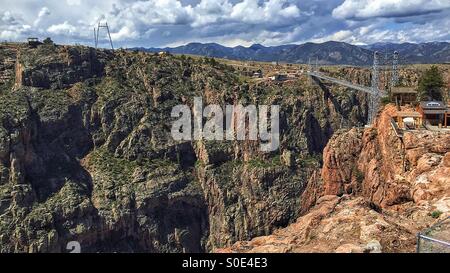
x=97, y=31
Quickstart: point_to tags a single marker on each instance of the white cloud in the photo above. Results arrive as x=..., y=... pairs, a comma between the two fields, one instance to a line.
x=164, y=12
x=62, y=29
x=73, y=2
x=364, y=9
x=9, y=35
x=229, y=22
x=249, y=11
x=339, y=36
x=124, y=33
x=290, y=12
x=42, y=14
x=7, y=18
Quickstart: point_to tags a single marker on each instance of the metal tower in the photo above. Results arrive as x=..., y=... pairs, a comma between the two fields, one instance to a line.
x=96, y=33
x=374, y=100
x=394, y=79
x=313, y=67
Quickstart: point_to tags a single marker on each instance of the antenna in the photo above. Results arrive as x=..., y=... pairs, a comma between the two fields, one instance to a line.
x=96, y=33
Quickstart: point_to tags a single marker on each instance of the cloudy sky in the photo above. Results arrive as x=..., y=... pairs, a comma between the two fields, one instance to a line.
x=157, y=23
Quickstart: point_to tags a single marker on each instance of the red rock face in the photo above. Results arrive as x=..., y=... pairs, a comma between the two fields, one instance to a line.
x=338, y=171
x=388, y=190
x=314, y=190
x=388, y=173
x=336, y=224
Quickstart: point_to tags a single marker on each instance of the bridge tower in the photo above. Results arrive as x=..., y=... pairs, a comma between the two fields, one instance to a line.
x=394, y=79
x=313, y=67
x=96, y=33
x=374, y=99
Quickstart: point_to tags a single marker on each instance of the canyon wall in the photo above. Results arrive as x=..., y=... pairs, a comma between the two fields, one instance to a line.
x=86, y=153
x=374, y=193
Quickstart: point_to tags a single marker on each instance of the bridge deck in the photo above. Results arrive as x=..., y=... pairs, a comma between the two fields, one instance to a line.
x=365, y=89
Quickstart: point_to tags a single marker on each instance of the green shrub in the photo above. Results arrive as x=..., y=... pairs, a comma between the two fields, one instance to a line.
x=436, y=214
x=385, y=100
x=431, y=84
x=358, y=175
x=48, y=41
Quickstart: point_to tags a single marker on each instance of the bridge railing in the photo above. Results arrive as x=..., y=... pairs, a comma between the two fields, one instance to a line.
x=398, y=132
x=436, y=239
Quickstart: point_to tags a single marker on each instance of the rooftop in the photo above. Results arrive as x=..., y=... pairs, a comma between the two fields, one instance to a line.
x=408, y=114
x=433, y=105
x=403, y=90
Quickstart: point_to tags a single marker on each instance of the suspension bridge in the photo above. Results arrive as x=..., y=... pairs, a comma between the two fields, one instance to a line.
x=365, y=89
x=374, y=92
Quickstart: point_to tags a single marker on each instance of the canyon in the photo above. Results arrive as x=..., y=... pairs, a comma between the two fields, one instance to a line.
x=86, y=155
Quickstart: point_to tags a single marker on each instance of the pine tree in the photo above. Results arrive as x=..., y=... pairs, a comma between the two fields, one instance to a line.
x=48, y=41
x=431, y=84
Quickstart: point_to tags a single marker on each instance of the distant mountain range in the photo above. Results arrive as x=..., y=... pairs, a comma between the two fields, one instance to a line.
x=435, y=52
x=335, y=53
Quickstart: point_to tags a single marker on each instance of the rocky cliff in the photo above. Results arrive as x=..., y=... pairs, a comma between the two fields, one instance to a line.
x=374, y=193
x=86, y=153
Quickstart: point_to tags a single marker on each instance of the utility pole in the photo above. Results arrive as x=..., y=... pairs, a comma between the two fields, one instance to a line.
x=96, y=34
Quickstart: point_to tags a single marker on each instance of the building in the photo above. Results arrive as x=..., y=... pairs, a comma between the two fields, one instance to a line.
x=409, y=120
x=293, y=75
x=403, y=95
x=33, y=42
x=278, y=77
x=247, y=73
x=257, y=74
x=434, y=113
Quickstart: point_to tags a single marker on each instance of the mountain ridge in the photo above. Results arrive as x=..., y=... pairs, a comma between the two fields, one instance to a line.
x=329, y=53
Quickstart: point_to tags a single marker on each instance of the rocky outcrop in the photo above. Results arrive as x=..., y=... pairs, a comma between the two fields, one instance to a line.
x=339, y=171
x=382, y=167
x=374, y=193
x=58, y=67
x=336, y=224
